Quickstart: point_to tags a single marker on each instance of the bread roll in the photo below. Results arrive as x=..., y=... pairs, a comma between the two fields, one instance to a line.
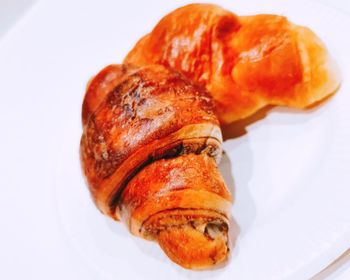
x=245, y=62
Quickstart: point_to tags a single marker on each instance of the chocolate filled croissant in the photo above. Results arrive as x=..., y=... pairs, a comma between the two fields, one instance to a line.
x=149, y=151
x=245, y=62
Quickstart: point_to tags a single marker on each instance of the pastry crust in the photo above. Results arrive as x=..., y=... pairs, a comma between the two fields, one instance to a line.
x=185, y=207
x=149, y=151
x=245, y=62
x=137, y=117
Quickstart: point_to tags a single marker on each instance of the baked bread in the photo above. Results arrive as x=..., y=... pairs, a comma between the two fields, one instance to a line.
x=149, y=151
x=245, y=62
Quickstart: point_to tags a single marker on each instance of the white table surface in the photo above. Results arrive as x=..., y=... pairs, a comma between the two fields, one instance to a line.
x=341, y=270
x=12, y=10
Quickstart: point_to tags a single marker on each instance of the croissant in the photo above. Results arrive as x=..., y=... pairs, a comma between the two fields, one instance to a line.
x=245, y=62
x=149, y=151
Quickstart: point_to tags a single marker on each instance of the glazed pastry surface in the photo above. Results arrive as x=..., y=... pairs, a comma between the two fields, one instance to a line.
x=149, y=150
x=245, y=62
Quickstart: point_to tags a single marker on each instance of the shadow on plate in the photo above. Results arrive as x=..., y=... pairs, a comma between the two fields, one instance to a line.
x=239, y=127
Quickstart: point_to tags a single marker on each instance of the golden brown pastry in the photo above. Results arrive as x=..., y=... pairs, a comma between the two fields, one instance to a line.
x=149, y=151
x=245, y=62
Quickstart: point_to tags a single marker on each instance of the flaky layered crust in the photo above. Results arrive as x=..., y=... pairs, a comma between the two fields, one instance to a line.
x=136, y=117
x=245, y=62
x=184, y=204
x=149, y=151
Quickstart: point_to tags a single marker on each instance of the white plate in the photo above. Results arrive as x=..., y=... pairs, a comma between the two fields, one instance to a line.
x=290, y=172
